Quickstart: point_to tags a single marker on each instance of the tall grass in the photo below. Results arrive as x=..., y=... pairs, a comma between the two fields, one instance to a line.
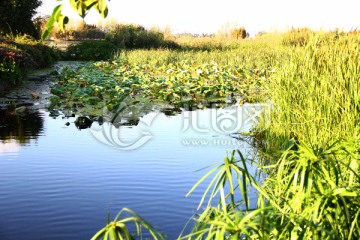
x=249, y=54
x=316, y=94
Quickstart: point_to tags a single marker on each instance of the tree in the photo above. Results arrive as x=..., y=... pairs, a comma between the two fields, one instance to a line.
x=16, y=16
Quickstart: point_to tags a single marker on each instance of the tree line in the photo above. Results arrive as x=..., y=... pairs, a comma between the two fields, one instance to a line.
x=16, y=17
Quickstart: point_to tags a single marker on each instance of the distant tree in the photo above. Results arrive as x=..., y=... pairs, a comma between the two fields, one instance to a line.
x=16, y=16
x=261, y=33
x=239, y=33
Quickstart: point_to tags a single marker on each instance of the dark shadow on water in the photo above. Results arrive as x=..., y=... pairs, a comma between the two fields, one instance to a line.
x=21, y=125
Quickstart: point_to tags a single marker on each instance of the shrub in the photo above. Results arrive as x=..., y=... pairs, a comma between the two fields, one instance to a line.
x=20, y=53
x=135, y=37
x=89, y=34
x=40, y=55
x=91, y=50
x=9, y=68
x=297, y=37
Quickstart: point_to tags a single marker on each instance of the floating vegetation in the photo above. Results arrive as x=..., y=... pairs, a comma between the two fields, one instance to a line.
x=102, y=86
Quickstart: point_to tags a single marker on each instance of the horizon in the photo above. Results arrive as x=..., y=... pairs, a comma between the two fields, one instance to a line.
x=208, y=17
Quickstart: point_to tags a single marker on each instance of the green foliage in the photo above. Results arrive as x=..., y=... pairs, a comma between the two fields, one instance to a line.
x=316, y=187
x=225, y=174
x=91, y=50
x=82, y=7
x=56, y=17
x=40, y=55
x=79, y=32
x=119, y=227
x=16, y=16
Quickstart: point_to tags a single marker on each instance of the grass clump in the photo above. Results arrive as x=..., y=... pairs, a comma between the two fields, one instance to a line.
x=310, y=193
x=118, y=229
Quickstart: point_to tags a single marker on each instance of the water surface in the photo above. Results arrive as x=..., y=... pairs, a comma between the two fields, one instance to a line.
x=59, y=182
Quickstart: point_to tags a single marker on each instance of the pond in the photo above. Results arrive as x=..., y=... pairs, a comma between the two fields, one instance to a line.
x=59, y=182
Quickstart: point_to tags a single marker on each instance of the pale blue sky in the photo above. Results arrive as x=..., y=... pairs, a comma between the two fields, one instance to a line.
x=207, y=16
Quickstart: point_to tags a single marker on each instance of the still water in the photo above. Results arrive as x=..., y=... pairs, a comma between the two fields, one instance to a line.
x=59, y=182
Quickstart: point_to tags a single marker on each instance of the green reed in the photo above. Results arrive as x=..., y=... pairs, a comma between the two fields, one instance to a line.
x=118, y=229
x=316, y=94
x=310, y=193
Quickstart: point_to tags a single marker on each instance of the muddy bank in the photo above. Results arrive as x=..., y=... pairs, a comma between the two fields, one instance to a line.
x=35, y=92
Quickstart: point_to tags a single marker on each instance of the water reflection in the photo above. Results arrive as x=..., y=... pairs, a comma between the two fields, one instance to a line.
x=20, y=125
x=83, y=122
x=9, y=146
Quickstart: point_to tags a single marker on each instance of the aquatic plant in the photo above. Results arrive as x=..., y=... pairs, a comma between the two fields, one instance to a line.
x=119, y=227
x=102, y=84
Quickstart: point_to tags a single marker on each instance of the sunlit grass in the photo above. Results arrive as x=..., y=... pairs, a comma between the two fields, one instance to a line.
x=316, y=94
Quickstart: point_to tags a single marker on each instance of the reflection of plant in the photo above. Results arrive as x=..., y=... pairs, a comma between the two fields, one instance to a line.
x=20, y=125
x=119, y=227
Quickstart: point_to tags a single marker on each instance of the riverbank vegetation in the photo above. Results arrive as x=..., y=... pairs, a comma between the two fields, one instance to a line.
x=21, y=54
x=310, y=161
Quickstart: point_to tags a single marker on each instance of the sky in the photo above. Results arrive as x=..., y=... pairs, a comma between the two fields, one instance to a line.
x=208, y=16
